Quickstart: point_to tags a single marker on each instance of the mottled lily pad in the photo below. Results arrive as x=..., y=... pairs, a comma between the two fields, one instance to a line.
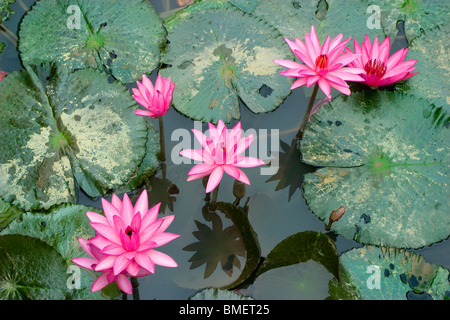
x=8, y=213
x=66, y=128
x=222, y=56
x=386, y=159
x=30, y=269
x=380, y=273
x=431, y=51
x=122, y=36
x=419, y=16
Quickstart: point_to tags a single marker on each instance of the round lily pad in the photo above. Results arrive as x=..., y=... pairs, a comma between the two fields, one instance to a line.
x=122, y=36
x=419, y=16
x=30, y=269
x=380, y=273
x=66, y=128
x=222, y=56
x=431, y=51
x=385, y=158
x=61, y=228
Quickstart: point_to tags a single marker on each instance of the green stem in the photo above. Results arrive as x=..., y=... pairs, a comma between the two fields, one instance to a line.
x=162, y=155
x=135, y=284
x=307, y=113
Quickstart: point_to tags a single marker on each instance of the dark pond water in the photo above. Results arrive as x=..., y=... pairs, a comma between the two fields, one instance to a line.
x=273, y=214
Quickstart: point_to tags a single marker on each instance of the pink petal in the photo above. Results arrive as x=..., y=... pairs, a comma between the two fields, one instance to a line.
x=325, y=87
x=124, y=284
x=298, y=83
x=100, y=282
x=141, y=204
x=143, y=259
x=133, y=268
x=106, y=231
x=150, y=216
x=148, y=84
x=84, y=262
x=113, y=250
x=236, y=173
x=147, y=233
x=290, y=64
x=127, y=210
x=100, y=242
x=95, y=217
x=164, y=238
x=162, y=259
x=244, y=143
x=166, y=221
x=248, y=162
x=194, y=154
x=120, y=264
x=201, y=168
x=106, y=263
x=144, y=113
x=109, y=210
x=214, y=179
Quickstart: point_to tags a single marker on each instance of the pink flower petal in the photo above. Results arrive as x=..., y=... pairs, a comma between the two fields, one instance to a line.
x=106, y=231
x=164, y=238
x=100, y=282
x=214, y=179
x=162, y=259
x=84, y=262
x=127, y=210
x=143, y=259
x=124, y=284
x=120, y=264
x=141, y=204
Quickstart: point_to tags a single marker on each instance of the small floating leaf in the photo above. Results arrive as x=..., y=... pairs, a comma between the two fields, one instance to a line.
x=221, y=56
x=386, y=162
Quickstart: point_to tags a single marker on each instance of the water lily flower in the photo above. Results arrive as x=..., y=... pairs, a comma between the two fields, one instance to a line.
x=156, y=99
x=380, y=69
x=322, y=64
x=221, y=152
x=2, y=75
x=107, y=276
x=126, y=238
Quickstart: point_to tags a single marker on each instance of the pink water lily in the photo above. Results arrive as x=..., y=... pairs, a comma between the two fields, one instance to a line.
x=107, y=276
x=221, y=152
x=125, y=241
x=380, y=69
x=156, y=99
x=322, y=64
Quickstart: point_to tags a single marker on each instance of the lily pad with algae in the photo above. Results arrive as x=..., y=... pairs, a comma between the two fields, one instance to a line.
x=380, y=273
x=222, y=56
x=385, y=157
x=122, y=36
x=65, y=129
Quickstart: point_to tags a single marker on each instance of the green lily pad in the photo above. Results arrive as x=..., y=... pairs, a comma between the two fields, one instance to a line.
x=299, y=267
x=302, y=247
x=431, y=51
x=292, y=18
x=218, y=294
x=61, y=229
x=30, y=269
x=380, y=273
x=302, y=281
x=418, y=16
x=385, y=158
x=66, y=128
x=123, y=37
x=352, y=21
x=222, y=56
